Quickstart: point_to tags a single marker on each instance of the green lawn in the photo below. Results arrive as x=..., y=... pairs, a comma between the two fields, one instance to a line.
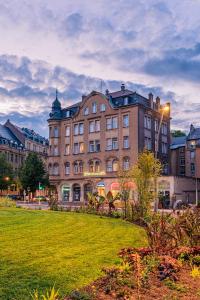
x=39, y=249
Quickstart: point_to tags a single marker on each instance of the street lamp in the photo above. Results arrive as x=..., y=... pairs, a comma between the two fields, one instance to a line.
x=6, y=178
x=164, y=109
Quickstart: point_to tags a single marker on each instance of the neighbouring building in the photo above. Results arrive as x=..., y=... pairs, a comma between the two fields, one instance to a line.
x=91, y=139
x=16, y=143
x=178, y=156
x=31, y=141
x=177, y=188
x=185, y=154
x=193, y=152
x=12, y=148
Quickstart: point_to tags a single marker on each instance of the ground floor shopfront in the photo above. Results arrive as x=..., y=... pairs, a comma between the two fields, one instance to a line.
x=77, y=190
x=170, y=189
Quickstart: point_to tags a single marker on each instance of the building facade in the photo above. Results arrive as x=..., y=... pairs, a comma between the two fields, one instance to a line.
x=178, y=156
x=185, y=154
x=16, y=143
x=92, y=139
x=12, y=148
x=31, y=141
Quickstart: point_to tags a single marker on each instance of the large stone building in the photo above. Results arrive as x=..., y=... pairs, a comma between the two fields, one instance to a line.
x=90, y=140
x=16, y=143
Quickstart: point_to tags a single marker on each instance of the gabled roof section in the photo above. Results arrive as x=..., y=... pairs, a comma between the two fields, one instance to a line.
x=194, y=133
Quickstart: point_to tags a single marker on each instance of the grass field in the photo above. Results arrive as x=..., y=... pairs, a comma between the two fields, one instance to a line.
x=40, y=249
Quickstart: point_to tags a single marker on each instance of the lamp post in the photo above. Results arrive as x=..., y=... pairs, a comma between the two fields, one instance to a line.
x=7, y=179
x=196, y=191
x=163, y=109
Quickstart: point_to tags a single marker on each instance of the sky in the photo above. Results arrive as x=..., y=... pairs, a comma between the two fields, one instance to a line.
x=78, y=46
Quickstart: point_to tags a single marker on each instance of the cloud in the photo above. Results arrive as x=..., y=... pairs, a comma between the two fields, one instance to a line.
x=73, y=25
x=73, y=45
x=180, y=63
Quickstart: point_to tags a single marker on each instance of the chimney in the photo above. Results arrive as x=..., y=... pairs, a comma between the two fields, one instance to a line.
x=192, y=128
x=83, y=97
x=123, y=87
x=151, y=99
x=107, y=92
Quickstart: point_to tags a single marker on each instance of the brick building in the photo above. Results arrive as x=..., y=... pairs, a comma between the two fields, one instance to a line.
x=185, y=154
x=91, y=139
x=178, y=156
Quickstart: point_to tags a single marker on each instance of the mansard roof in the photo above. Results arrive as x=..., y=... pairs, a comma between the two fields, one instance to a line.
x=116, y=100
x=6, y=134
x=178, y=142
x=32, y=135
x=24, y=133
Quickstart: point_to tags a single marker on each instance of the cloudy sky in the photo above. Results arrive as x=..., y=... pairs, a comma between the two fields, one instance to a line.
x=83, y=45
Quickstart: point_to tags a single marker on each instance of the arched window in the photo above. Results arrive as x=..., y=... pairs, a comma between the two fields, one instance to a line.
x=67, y=168
x=126, y=163
x=76, y=168
x=91, y=166
x=97, y=166
x=56, y=169
x=50, y=169
x=109, y=165
x=94, y=165
x=56, y=132
x=115, y=165
x=81, y=167
x=112, y=165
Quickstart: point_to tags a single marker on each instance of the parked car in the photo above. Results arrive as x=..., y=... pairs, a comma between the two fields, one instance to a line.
x=14, y=197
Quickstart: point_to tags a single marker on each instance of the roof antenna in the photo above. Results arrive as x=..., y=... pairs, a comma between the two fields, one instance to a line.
x=101, y=89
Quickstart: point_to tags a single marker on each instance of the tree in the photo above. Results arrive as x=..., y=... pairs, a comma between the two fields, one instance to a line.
x=6, y=172
x=178, y=133
x=144, y=174
x=111, y=201
x=33, y=172
x=95, y=201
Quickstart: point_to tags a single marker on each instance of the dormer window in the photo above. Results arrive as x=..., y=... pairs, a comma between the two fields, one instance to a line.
x=86, y=111
x=94, y=107
x=126, y=101
x=67, y=113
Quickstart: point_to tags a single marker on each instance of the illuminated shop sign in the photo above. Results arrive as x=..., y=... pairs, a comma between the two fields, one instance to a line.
x=94, y=173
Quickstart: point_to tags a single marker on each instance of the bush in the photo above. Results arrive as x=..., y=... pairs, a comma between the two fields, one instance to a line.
x=53, y=202
x=79, y=295
x=6, y=202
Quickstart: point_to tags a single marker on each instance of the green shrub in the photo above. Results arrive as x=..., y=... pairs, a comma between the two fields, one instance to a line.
x=51, y=294
x=175, y=286
x=6, y=202
x=78, y=295
x=196, y=260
